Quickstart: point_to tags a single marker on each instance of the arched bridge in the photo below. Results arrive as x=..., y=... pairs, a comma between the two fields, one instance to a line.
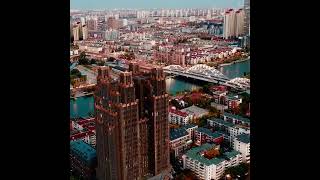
x=201, y=72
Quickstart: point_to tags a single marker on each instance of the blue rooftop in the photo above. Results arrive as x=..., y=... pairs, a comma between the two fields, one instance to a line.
x=231, y=154
x=245, y=138
x=195, y=153
x=177, y=133
x=237, y=117
x=83, y=150
x=208, y=132
x=187, y=126
x=223, y=122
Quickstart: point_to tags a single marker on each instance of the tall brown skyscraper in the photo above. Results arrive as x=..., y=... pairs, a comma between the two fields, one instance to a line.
x=132, y=124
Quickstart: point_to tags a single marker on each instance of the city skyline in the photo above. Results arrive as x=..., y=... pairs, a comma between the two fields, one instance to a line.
x=104, y=4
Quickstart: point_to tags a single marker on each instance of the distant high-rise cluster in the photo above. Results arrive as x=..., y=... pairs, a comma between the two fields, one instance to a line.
x=233, y=25
x=132, y=124
x=92, y=24
x=112, y=23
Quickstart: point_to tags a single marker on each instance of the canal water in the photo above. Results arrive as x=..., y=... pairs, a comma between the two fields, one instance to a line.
x=81, y=107
x=236, y=69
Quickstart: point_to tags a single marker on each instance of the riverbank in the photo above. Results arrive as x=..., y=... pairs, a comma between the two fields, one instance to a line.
x=237, y=61
x=81, y=95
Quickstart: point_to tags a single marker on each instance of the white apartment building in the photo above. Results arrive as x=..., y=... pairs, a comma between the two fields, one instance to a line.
x=230, y=130
x=236, y=119
x=111, y=34
x=209, y=169
x=179, y=117
x=91, y=48
x=242, y=144
x=179, y=141
x=76, y=33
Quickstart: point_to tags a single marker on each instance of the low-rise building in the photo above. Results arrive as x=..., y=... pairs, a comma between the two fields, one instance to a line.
x=233, y=102
x=83, y=129
x=242, y=144
x=228, y=129
x=181, y=139
x=219, y=107
x=83, y=159
x=195, y=111
x=236, y=119
x=207, y=163
x=204, y=135
x=179, y=117
x=190, y=128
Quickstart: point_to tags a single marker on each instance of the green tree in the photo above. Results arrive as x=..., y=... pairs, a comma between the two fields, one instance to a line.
x=93, y=61
x=111, y=59
x=82, y=55
x=75, y=72
x=83, y=60
x=100, y=63
x=175, y=103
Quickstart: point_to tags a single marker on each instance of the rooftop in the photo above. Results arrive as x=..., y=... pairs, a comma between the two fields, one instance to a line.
x=221, y=121
x=231, y=154
x=80, y=135
x=245, y=138
x=208, y=132
x=178, y=112
x=194, y=110
x=237, y=117
x=83, y=150
x=177, y=133
x=187, y=126
x=194, y=153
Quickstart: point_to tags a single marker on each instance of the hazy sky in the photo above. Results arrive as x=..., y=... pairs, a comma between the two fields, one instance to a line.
x=111, y=4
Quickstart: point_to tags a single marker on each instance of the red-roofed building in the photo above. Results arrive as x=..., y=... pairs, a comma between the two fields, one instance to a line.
x=86, y=130
x=88, y=137
x=179, y=117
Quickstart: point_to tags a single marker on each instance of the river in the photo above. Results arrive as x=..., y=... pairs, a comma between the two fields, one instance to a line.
x=84, y=105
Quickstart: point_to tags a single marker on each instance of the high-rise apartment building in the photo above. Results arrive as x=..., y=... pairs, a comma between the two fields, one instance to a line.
x=111, y=34
x=76, y=32
x=247, y=17
x=233, y=23
x=239, y=23
x=132, y=124
x=84, y=32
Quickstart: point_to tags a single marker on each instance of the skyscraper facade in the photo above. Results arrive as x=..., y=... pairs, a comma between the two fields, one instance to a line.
x=132, y=124
x=247, y=16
